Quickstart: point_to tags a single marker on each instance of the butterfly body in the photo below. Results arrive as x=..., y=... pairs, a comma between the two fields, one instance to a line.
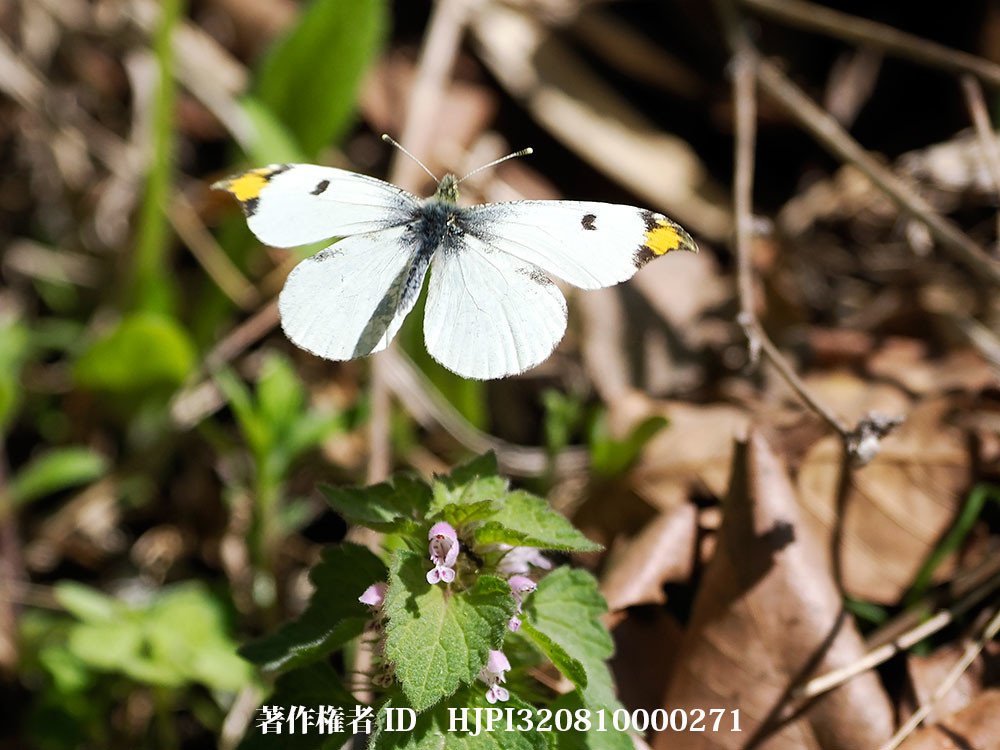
x=492, y=308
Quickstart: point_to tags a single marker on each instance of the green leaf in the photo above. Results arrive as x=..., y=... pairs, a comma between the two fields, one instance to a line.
x=14, y=340
x=55, y=470
x=153, y=284
x=86, y=603
x=309, y=687
x=334, y=614
x=565, y=663
x=144, y=351
x=68, y=673
x=438, y=638
x=563, y=415
x=392, y=506
x=115, y=647
x=179, y=638
x=311, y=75
x=272, y=142
x=610, y=457
x=186, y=628
x=459, y=515
x=469, y=484
x=953, y=540
x=528, y=521
x=566, y=607
x=281, y=399
x=311, y=429
x=592, y=739
x=255, y=429
x=433, y=728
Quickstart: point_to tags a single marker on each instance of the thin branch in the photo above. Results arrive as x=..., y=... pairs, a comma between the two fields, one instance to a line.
x=832, y=135
x=12, y=571
x=437, y=58
x=212, y=258
x=745, y=94
x=984, y=130
x=876, y=35
x=744, y=62
x=923, y=628
x=430, y=409
x=972, y=650
x=755, y=333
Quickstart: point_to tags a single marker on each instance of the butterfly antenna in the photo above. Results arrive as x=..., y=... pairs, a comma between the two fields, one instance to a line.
x=522, y=152
x=390, y=139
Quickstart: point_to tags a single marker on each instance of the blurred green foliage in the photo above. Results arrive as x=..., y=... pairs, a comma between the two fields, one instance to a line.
x=113, y=389
x=178, y=637
x=13, y=350
x=278, y=427
x=153, y=286
x=54, y=470
x=176, y=640
x=610, y=456
x=310, y=77
x=144, y=352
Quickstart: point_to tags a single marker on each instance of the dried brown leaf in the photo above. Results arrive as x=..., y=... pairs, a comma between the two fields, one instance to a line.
x=895, y=509
x=928, y=672
x=975, y=726
x=905, y=361
x=767, y=614
x=663, y=551
x=647, y=645
x=693, y=453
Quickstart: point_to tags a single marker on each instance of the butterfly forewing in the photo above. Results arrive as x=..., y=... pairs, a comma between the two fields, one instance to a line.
x=589, y=245
x=295, y=204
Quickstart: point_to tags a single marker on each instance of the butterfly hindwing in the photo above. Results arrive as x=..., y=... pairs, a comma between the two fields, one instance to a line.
x=295, y=204
x=590, y=245
x=489, y=314
x=350, y=299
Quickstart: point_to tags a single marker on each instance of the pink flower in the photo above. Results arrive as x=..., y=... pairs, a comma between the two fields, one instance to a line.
x=497, y=693
x=493, y=674
x=444, y=548
x=374, y=595
x=520, y=559
x=519, y=587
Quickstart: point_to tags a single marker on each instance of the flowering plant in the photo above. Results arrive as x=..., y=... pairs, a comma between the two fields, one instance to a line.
x=460, y=611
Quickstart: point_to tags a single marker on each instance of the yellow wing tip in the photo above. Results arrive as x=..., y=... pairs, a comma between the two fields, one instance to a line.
x=246, y=186
x=663, y=235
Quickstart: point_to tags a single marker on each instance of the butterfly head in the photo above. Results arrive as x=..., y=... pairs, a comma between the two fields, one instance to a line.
x=447, y=189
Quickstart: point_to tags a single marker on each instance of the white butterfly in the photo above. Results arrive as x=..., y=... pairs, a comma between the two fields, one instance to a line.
x=492, y=309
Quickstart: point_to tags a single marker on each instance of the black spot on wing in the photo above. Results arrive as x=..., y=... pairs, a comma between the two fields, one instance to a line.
x=587, y=222
x=320, y=187
x=249, y=206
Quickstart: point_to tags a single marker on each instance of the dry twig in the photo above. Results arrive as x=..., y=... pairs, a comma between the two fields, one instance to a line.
x=437, y=58
x=984, y=130
x=876, y=35
x=972, y=650
x=832, y=135
x=917, y=628
x=744, y=63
